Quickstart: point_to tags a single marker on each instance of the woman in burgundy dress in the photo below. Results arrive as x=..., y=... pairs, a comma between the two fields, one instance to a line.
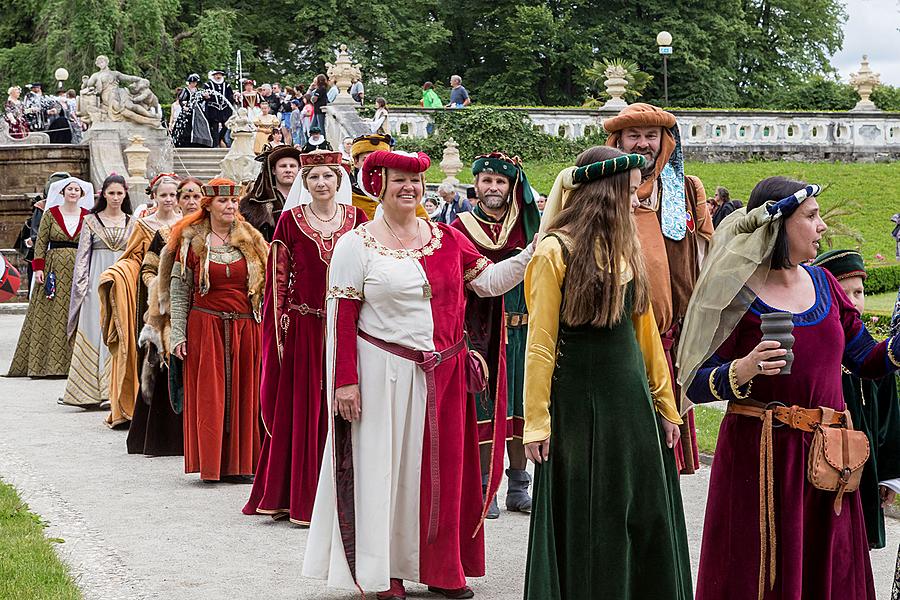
x=292, y=400
x=769, y=533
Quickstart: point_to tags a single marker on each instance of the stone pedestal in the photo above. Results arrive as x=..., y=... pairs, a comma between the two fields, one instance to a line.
x=107, y=141
x=240, y=164
x=136, y=156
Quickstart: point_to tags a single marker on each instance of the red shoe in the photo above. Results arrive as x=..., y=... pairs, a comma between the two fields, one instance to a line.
x=396, y=592
x=463, y=592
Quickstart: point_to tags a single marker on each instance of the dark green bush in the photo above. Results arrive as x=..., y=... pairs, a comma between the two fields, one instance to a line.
x=481, y=130
x=883, y=279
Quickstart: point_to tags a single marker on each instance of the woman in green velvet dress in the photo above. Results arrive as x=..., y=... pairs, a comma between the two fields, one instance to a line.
x=607, y=519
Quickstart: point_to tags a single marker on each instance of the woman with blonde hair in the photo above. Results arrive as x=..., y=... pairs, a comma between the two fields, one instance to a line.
x=292, y=401
x=156, y=428
x=216, y=263
x=592, y=347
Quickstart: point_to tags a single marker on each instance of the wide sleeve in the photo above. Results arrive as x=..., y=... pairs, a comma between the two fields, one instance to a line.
x=81, y=277
x=41, y=243
x=657, y=367
x=543, y=295
x=278, y=274
x=150, y=263
x=346, y=293
x=182, y=283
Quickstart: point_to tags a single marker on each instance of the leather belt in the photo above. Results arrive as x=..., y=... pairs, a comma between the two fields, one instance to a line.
x=428, y=361
x=516, y=319
x=228, y=319
x=795, y=417
x=305, y=309
x=54, y=245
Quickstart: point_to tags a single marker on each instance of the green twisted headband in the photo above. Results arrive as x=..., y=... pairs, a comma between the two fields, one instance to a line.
x=605, y=168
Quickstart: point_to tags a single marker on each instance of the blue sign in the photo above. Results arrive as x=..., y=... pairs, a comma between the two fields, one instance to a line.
x=665, y=49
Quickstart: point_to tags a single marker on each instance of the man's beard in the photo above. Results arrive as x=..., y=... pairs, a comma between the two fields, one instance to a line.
x=494, y=202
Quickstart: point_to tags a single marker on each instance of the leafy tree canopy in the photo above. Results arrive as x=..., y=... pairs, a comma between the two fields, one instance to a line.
x=727, y=53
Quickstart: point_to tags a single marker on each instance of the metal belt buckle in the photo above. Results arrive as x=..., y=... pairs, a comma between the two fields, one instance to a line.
x=771, y=406
x=438, y=358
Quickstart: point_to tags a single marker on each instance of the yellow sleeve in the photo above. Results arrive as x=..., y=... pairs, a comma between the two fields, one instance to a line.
x=656, y=366
x=543, y=294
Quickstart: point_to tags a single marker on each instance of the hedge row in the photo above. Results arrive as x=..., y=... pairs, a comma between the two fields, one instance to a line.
x=883, y=279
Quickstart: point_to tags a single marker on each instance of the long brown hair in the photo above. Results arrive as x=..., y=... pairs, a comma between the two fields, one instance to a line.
x=597, y=219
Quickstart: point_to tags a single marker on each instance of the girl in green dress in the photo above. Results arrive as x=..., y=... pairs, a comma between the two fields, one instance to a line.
x=607, y=507
x=43, y=349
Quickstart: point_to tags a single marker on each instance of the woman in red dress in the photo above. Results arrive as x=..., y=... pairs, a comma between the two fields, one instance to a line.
x=294, y=411
x=216, y=296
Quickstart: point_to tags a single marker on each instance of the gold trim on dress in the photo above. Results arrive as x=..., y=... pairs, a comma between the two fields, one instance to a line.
x=349, y=292
x=480, y=265
x=732, y=381
x=712, y=386
x=428, y=249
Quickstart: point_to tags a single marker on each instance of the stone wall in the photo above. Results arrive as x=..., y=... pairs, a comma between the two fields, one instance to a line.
x=23, y=172
x=719, y=136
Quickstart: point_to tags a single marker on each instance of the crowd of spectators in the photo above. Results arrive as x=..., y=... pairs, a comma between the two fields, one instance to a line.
x=38, y=112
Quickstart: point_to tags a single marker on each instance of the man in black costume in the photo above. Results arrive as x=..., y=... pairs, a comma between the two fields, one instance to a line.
x=218, y=105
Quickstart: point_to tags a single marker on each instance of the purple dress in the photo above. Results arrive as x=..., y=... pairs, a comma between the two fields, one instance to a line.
x=819, y=555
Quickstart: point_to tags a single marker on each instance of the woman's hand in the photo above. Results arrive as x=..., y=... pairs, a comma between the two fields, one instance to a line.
x=180, y=350
x=538, y=452
x=887, y=496
x=765, y=359
x=672, y=431
x=39, y=277
x=347, y=402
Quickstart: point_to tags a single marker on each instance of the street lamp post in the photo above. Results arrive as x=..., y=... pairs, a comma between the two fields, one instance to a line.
x=664, y=41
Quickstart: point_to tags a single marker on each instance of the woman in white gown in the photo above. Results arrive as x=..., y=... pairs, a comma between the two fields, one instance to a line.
x=105, y=232
x=399, y=494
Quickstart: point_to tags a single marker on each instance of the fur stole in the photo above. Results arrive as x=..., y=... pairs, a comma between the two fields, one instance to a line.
x=245, y=238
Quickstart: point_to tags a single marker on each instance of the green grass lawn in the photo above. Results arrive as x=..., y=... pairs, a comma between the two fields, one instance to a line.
x=29, y=569
x=874, y=188
x=707, y=421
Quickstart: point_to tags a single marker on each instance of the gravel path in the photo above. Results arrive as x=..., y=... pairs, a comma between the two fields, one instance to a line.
x=139, y=528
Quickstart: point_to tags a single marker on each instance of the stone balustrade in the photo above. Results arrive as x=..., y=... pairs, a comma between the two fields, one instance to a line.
x=714, y=135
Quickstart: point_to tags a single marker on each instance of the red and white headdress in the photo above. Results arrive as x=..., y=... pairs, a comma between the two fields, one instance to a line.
x=372, y=178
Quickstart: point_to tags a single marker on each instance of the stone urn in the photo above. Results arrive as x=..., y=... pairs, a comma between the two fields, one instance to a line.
x=136, y=154
x=615, y=83
x=451, y=164
x=864, y=81
x=778, y=326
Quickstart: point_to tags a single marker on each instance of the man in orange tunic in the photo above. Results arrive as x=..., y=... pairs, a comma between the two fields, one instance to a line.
x=674, y=227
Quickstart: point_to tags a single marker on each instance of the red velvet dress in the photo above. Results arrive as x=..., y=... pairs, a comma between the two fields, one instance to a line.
x=292, y=396
x=208, y=448
x=819, y=555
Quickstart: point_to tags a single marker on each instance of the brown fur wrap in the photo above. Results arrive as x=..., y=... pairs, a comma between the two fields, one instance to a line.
x=243, y=237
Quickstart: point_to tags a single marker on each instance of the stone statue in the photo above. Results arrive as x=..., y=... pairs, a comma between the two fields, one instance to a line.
x=109, y=95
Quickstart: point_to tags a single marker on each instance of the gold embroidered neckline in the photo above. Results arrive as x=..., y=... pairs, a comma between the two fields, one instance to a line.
x=428, y=249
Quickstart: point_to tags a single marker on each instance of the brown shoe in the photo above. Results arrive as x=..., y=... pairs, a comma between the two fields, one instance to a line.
x=463, y=592
x=396, y=591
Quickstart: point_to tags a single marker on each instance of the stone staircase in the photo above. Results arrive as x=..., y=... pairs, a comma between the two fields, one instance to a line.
x=202, y=163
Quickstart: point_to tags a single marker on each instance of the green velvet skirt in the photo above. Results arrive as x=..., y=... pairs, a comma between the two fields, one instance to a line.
x=607, y=518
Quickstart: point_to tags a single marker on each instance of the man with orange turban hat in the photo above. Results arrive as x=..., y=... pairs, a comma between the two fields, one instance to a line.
x=674, y=227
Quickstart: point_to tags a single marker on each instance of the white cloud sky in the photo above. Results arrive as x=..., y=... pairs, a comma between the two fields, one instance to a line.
x=871, y=29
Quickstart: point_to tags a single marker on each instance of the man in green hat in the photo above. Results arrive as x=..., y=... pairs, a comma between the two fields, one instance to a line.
x=502, y=224
x=872, y=404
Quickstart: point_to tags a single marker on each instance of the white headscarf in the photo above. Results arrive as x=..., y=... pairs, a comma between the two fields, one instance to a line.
x=299, y=195
x=55, y=195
